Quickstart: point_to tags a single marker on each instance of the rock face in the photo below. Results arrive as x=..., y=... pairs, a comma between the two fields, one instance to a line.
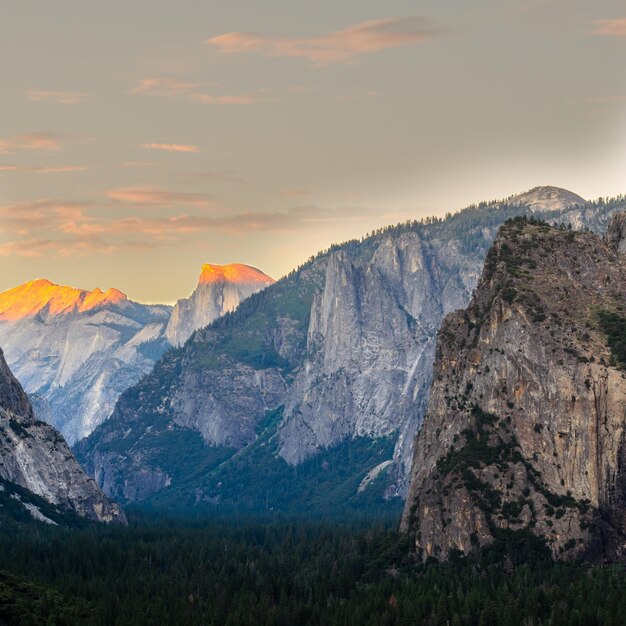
x=616, y=233
x=525, y=428
x=344, y=347
x=33, y=455
x=77, y=350
x=220, y=289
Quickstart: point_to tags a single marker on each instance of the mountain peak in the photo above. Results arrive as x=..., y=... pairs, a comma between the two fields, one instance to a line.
x=233, y=273
x=37, y=295
x=547, y=198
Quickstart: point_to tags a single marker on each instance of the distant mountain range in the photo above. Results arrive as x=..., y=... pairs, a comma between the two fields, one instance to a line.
x=310, y=394
x=76, y=351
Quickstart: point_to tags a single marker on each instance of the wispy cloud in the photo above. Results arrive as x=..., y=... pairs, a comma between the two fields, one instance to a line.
x=168, y=87
x=296, y=218
x=140, y=196
x=63, y=229
x=234, y=100
x=171, y=147
x=190, y=90
x=138, y=164
x=44, y=141
x=336, y=47
x=610, y=28
x=58, y=97
x=50, y=247
x=209, y=175
x=56, y=169
x=51, y=227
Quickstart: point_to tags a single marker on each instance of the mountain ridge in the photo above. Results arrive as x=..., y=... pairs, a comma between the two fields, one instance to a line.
x=276, y=350
x=41, y=296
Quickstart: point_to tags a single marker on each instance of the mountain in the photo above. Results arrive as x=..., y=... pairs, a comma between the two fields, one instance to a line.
x=548, y=199
x=324, y=374
x=525, y=433
x=220, y=289
x=75, y=351
x=37, y=469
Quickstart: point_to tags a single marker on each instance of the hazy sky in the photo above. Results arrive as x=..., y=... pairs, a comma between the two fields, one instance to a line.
x=140, y=139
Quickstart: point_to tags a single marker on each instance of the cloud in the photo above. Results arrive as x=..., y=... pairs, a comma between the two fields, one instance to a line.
x=234, y=100
x=296, y=218
x=610, y=28
x=64, y=229
x=209, y=175
x=44, y=141
x=23, y=218
x=171, y=147
x=160, y=227
x=165, y=87
x=138, y=164
x=172, y=88
x=336, y=47
x=140, y=196
x=58, y=97
x=57, y=169
x=43, y=247
x=49, y=227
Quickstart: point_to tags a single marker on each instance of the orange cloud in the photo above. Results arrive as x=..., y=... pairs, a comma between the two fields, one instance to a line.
x=337, y=47
x=140, y=196
x=162, y=228
x=66, y=229
x=164, y=87
x=171, y=147
x=57, y=228
x=611, y=28
x=234, y=100
x=59, y=97
x=60, y=169
x=43, y=247
x=172, y=88
x=43, y=141
x=25, y=217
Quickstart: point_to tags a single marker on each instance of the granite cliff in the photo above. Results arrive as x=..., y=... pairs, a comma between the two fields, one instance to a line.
x=525, y=427
x=220, y=289
x=35, y=457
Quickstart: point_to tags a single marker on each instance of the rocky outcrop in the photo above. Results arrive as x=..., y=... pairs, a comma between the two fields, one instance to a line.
x=34, y=456
x=220, y=289
x=525, y=425
x=77, y=350
x=616, y=233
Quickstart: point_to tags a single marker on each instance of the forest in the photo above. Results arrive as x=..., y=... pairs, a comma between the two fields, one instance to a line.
x=283, y=571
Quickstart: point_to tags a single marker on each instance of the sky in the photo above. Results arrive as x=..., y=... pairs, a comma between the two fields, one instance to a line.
x=141, y=139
